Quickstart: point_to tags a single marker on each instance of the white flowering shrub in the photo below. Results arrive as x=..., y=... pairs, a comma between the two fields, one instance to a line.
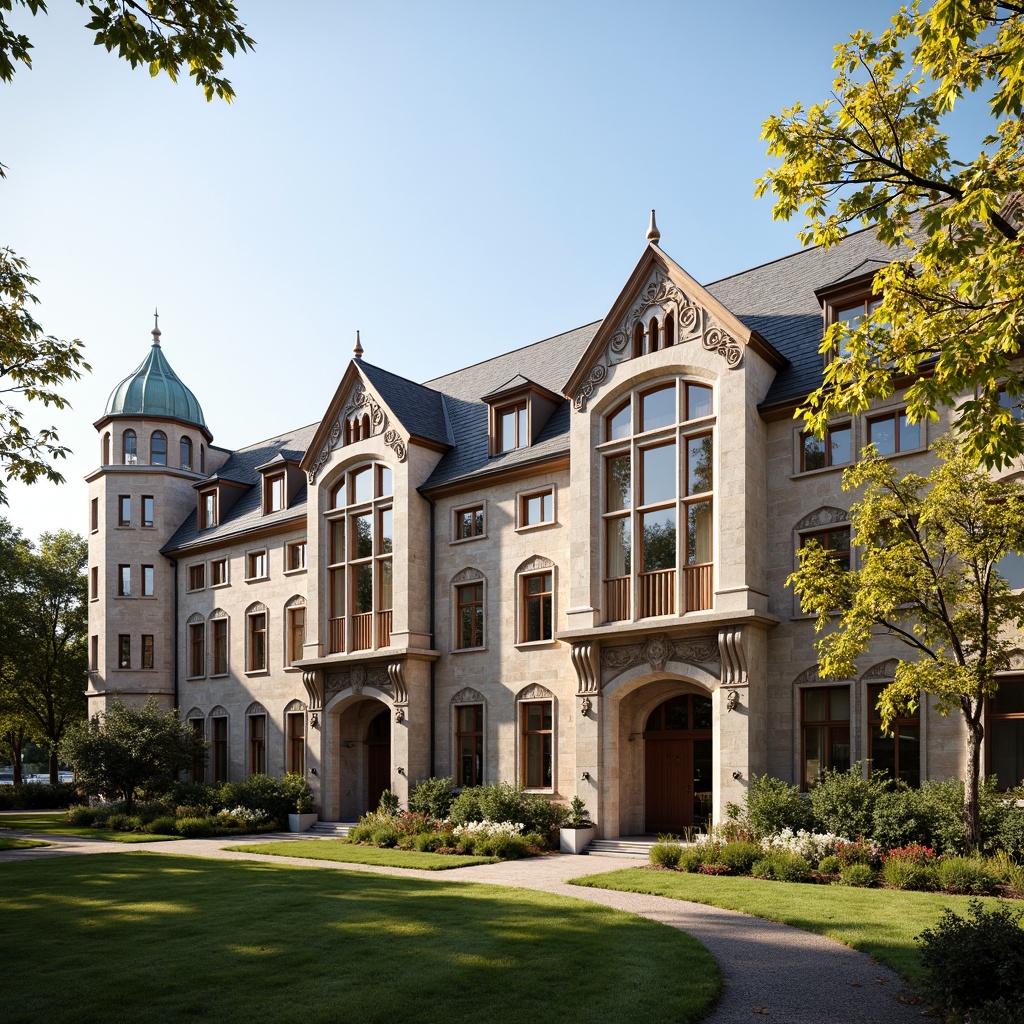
x=812, y=846
x=244, y=815
x=482, y=829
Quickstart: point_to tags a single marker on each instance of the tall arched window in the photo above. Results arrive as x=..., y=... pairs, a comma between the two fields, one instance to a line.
x=105, y=452
x=658, y=483
x=185, y=452
x=130, y=447
x=158, y=449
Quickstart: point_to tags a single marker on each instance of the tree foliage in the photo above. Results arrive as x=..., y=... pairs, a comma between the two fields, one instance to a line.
x=928, y=577
x=875, y=154
x=169, y=37
x=132, y=747
x=44, y=626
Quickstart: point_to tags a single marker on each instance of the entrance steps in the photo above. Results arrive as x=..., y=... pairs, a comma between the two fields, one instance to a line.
x=622, y=846
x=335, y=829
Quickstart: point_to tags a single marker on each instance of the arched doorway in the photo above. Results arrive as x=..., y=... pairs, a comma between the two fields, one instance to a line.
x=677, y=764
x=378, y=758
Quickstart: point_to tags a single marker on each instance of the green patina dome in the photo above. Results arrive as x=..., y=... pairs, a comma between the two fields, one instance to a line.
x=154, y=389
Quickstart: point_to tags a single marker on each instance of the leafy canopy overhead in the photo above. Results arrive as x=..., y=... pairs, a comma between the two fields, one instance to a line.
x=875, y=154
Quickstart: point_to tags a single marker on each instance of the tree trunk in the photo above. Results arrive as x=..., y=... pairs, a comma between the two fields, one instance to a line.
x=971, y=817
x=54, y=777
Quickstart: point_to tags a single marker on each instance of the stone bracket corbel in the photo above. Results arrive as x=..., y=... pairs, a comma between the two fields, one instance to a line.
x=587, y=664
x=396, y=673
x=734, y=657
x=313, y=680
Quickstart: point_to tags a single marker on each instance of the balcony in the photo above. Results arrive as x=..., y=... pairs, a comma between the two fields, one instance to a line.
x=336, y=635
x=384, y=628
x=362, y=631
x=656, y=594
x=616, y=599
x=698, y=587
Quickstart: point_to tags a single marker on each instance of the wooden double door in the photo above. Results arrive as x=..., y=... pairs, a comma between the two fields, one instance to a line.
x=677, y=765
x=378, y=758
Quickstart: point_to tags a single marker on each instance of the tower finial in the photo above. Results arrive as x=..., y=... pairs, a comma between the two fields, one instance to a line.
x=653, y=234
x=156, y=328
x=358, y=350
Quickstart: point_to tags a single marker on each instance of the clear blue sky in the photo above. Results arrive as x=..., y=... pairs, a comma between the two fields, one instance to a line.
x=453, y=179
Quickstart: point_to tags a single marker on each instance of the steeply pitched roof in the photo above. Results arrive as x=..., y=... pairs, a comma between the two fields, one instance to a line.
x=419, y=409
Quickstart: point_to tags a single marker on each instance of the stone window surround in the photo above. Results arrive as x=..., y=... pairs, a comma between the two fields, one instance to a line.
x=467, y=577
x=457, y=511
x=535, y=694
x=534, y=566
x=468, y=698
x=522, y=497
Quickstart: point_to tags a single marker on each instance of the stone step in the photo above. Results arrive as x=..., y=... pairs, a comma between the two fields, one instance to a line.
x=337, y=829
x=619, y=848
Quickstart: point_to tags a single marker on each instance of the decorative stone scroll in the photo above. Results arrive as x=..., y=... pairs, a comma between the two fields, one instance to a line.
x=734, y=658
x=824, y=516
x=589, y=386
x=379, y=424
x=535, y=692
x=809, y=675
x=356, y=678
x=657, y=651
x=396, y=673
x=883, y=670
x=467, y=695
x=585, y=662
x=312, y=679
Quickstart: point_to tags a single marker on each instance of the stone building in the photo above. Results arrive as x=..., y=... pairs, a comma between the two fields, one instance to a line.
x=564, y=566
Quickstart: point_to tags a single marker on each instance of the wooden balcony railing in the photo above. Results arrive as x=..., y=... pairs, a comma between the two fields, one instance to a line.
x=384, y=628
x=336, y=628
x=362, y=631
x=657, y=592
x=698, y=587
x=616, y=599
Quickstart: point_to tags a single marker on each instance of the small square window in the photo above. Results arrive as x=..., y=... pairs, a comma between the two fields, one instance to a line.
x=218, y=572
x=512, y=430
x=256, y=565
x=207, y=509
x=148, y=510
x=197, y=577
x=537, y=508
x=469, y=522
x=295, y=556
x=834, y=449
x=893, y=433
x=124, y=510
x=273, y=494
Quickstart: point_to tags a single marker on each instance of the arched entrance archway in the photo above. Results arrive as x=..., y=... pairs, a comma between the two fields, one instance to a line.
x=378, y=758
x=360, y=753
x=677, y=764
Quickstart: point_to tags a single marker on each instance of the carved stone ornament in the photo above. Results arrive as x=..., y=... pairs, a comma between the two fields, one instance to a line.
x=883, y=670
x=596, y=376
x=825, y=516
x=534, y=692
x=312, y=679
x=809, y=675
x=399, y=713
x=734, y=658
x=657, y=651
x=467, y=695
x=356, y=678
x=732, y=700
x=585, y=706
x=586, y=665
x=379, y=424
x=396, y=673
x=1015, y=661
x=467, y=575
x=536, y=563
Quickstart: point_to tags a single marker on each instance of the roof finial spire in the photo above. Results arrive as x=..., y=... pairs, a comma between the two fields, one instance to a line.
x=358, y=350
x=653, y=234
x=156, y=328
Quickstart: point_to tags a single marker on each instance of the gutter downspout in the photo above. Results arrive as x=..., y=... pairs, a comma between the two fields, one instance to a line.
x=433, y=713
x=174, y=570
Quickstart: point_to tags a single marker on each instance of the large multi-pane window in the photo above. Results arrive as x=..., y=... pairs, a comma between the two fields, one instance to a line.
x=359, y=541
x=898, y=751
x=1004, y=733
x=256, y=642
x=537, y=737
x=295, y=730
x=469, y=615
x=220, y=748
x=825, y=718
x=469, y=744
x=658, y=481
x=535, y=617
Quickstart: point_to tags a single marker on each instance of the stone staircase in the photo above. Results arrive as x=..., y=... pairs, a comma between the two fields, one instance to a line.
x=622, y=846
x=333, y=829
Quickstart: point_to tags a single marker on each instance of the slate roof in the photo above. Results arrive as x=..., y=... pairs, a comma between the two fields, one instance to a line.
x=247, y=512
x=419, y=409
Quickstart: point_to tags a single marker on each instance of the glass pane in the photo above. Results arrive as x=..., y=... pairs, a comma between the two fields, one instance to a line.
x=1007, y=751
x=362, y=485
x=659, y=537
x=813, y=753
x=698, y=533
x=882, y=434
x=362, y=589
x=658, y=408
x=337, y=593
x=619, y=423
x=813, y=453
x=852, y=315
x=1009, y=700
x=840, y=749
x=883, y=752
x=1011, y=568
x=618, y=483
x=362, y=536
x=384, y=540
x=699, y=462
x=814, y=705
x=339, y=495
x=658, y=468
x=521, y=437
x=386, y=486
x=677, y=713
x=839, y=709
x=910, y=435
x=839, y=443
x=538, y=584
x=909, y=743
x=508, y=430
x=547, y=510
x=698, y=401
x=702, y=712
x=533, y=510
x=618, y=547
x=385, y=602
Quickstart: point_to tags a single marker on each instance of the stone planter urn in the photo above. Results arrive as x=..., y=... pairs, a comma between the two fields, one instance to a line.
x=575, y=840
x=301, y=822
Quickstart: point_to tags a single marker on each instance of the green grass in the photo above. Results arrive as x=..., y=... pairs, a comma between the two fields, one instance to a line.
x=56, y=823
x=880, y=922
x=349, y=853
x=7, y=843
x=148, y=938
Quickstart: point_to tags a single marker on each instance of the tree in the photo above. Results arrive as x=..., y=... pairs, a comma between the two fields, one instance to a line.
x=132, y=747
x=928, y=578
x=875, y=155
x=44, y=631
x=167, y=36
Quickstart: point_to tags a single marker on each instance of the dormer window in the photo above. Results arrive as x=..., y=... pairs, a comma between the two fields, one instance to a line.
x=512, y=428
x=207, y=509
x=852, y=313
x=850, y=300
x=273, y=493
x=519, y=410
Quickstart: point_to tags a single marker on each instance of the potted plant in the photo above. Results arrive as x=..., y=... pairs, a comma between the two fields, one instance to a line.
x=575, y=835
x=302, y=816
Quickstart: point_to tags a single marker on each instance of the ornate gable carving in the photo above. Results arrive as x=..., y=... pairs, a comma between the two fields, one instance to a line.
x=468, y=574
x=535, y=692
x=360, y=403
x=824, y=516
x=467, y=695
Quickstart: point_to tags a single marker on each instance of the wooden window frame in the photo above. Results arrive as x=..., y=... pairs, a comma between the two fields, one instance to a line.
x=124, y=650
x=523, y=504
x=198, y=770
x=275, y=494
x=148, y=651
x=547, y=746
x=828, y=725
x=477, y=631
x=196, y=650
x=257, y=565
x=218, y=623
x=94, y=652
x=858, y=294
x=94, y=515
x=257, y=742
x=257, y=638
x=844, y=556
x=903, y=722
x=219, y=743
x=526, y=599
x=94, y=583
x=998, y=716
x=473, y=511
x=208, y=503
x=826, y=442
x=124, y=510
x=129, y=448
x=475, y=737
x=295, y=643
x=295, y=742
x=196, y=577
x=520, y=412
x=214, y=563
x=894, y=415
x=148, y=511
x=185, y=445
x=289, y=556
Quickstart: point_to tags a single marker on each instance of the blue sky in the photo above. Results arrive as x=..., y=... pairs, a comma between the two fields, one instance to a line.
x=452, y=179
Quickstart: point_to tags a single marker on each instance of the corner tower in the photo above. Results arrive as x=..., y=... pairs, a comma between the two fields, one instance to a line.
x=153, y=448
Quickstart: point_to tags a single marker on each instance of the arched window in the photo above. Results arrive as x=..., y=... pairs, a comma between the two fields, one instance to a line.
x=638, y=339
x=185, y=451
x=105, y=452
x=130, y=447
x=295, y=737
x=670, y=331
x=657, y=508
x=295, y=629
x=652, y=335
x=158, y=449
x=219, y=641
x=256, y=726
x=256, y=638
x=219, y=744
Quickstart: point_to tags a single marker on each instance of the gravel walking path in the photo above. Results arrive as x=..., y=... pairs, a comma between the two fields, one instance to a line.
x=772, y=972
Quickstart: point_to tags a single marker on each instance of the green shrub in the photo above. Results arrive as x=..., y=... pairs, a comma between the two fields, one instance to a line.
x=903, y=816
x=790, y=867
x=82, y=815
x=861, y=851
x=163, y=826
x=763, y=868
x=466, y=807
x=772, y=805
x=831, y=865
x=295, y=790
x=906, y=874
x=945, y=801
x=1011, y=833
x=39, y=796
x=740, y=856
x=385, y=835
x=975, y=965
x=966, y=876
x=690, y=859
x=504, y=846
x=256, y=793
x=388, y=802
x=858, y=874
x=432, y=797
x=666, y=855
x=844, y=802
x=501, y=801
x=121, y=823
x=196, y=828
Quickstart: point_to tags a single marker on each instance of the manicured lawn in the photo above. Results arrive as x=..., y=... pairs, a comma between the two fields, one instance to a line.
x=349, y=853
x=879, y=922
x=56, y=823
x=145, y=937
x=7, y=843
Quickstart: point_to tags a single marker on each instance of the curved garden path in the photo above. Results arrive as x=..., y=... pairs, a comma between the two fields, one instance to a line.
x=771, y=972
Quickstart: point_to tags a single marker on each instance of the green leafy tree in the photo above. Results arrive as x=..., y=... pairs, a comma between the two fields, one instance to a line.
x=132, y=747
x=167, y=36
x=928, y=578
x=44, y=626
x=875, y=154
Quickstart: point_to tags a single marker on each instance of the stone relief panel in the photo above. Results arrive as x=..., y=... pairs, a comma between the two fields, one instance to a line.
x=360, y=401
x=883, y=670
x=358, y=677
x=825, y=516
x=657, y=651
x=467, y=695
x=467, y=576
x=535, y=692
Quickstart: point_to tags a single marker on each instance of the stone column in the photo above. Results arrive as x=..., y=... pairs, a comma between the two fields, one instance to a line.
x=586, y=706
